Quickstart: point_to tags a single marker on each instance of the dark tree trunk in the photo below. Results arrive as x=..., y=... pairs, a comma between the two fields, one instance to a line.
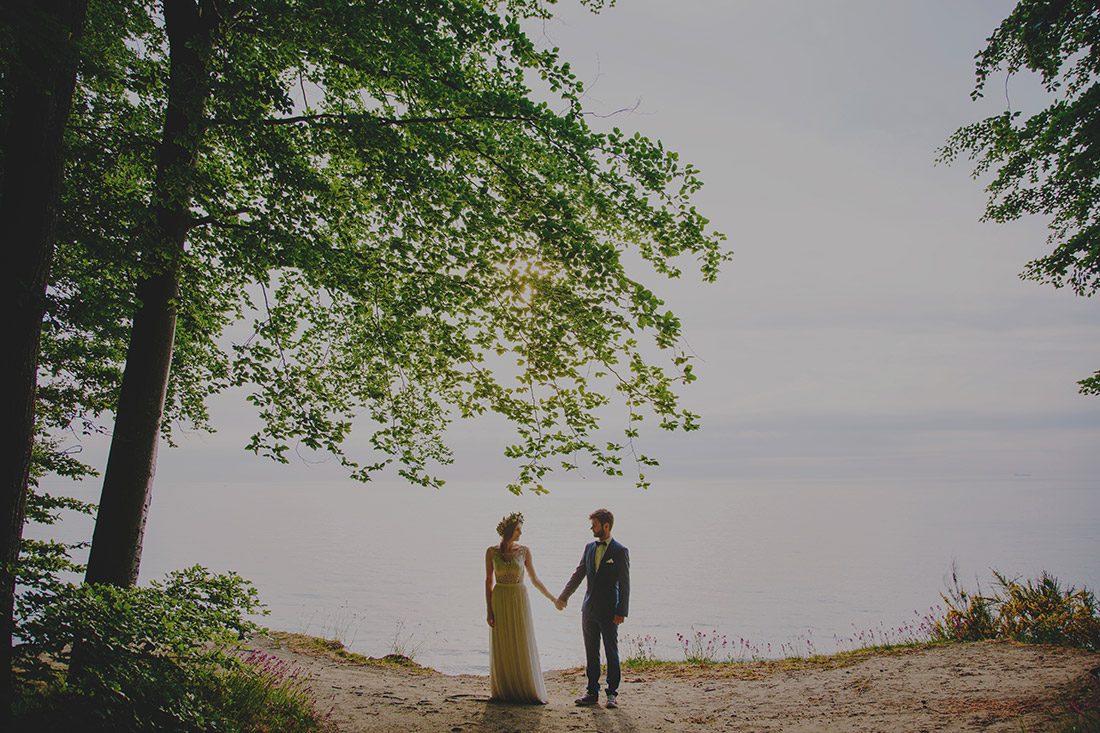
x=128, y=480
x=37, y=96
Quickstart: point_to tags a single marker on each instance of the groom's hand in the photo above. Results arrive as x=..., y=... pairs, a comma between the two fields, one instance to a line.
x=619, y=619
x=560, y=604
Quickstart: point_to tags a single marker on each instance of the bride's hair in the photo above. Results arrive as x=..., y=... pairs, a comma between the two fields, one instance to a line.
x=507, y=528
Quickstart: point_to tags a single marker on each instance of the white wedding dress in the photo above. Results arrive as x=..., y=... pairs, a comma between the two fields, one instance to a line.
x=515, y=674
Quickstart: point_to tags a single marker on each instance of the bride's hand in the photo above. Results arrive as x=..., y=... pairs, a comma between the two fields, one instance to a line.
x=489, y=618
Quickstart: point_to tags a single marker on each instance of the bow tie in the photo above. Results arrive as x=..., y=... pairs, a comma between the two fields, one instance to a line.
x=602, y=543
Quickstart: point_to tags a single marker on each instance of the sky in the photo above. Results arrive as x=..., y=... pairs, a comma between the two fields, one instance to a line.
x=869, y=325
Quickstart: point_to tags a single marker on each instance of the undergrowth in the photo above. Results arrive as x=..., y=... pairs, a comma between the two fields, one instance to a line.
x=1035, y=612
x=158, y=658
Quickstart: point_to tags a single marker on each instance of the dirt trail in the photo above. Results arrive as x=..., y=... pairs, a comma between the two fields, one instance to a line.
x=988, y=686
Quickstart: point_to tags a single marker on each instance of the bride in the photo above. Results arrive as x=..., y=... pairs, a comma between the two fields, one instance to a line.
x=515, y=674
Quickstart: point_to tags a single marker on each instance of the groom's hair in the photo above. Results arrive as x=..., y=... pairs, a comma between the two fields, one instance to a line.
x=603, y=516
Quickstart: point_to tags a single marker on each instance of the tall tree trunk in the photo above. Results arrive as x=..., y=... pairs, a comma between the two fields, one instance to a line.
x=128, y=480
x=38, y=92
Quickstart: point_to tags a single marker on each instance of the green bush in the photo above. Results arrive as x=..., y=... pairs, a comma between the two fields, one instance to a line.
x=139, y=659
x=1040, y=612
x=1037, y=612
x=968, y=617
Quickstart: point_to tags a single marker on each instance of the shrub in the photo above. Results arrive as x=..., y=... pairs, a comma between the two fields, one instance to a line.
x=1038, y=612
x=968, y=618
x=263, y=693
x=1041, y=612
x=98, y=657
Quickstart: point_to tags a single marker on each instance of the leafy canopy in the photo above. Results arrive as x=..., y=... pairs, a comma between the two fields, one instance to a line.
x=406, y=202
x=1048, y=163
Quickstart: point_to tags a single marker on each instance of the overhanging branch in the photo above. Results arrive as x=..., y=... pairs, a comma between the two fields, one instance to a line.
x=383, y=121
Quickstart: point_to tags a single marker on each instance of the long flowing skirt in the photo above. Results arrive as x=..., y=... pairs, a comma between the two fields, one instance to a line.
x=515, y=674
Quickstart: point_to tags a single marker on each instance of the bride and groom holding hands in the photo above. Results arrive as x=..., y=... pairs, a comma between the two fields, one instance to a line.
x=515, y=674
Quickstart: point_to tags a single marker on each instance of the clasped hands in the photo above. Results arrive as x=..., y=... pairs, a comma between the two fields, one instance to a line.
x=560, y=604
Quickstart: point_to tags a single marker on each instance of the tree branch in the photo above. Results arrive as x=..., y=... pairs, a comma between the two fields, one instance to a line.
x=387, y=121
x=213, y=220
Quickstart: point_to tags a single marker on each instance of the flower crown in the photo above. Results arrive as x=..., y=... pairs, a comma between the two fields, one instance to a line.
x=513, y=519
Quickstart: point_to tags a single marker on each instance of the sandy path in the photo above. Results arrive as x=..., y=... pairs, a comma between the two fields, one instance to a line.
x=989, y=686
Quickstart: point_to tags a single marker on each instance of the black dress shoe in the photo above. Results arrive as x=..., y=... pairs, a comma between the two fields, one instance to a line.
x=588, y=699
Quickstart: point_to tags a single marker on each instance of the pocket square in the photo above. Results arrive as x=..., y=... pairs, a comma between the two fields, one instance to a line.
x=609, y=561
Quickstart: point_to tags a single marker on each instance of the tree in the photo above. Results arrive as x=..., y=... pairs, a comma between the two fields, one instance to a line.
x=1049, y=163
x=38, y=57
x=415, y=234
x=127, y=481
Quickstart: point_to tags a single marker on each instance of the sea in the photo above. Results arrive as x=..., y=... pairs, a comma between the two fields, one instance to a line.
x=734, y=569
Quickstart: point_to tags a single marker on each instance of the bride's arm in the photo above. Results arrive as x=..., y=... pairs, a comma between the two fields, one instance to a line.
x=534, y=578
x=489, y=586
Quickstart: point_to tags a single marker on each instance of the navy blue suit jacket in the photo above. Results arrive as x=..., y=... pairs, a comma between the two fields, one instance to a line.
x=608, y=591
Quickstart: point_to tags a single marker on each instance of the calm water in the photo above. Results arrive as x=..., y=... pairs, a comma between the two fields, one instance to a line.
x=770, y=562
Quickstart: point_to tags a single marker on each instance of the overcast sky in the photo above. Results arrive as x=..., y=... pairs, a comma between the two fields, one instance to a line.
x=869, y=326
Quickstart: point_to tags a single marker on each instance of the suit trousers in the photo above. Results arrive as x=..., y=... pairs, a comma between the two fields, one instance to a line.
x=594, y=628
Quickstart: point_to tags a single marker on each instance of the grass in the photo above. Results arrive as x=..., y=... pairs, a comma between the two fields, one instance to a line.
x=750, y=669
x=267, y=694
x=703, y=648
x=334, y=649
x=403, y=644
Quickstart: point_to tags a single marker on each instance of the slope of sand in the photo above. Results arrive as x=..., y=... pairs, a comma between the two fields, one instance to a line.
x=989, y=686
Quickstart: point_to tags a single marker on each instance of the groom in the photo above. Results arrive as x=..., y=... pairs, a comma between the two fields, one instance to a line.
x=606, y=566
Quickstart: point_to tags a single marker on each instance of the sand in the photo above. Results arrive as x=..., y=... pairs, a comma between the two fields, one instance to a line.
x=988, y=686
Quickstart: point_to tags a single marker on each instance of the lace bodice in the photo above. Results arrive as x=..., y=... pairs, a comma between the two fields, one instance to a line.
x=509, y=572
